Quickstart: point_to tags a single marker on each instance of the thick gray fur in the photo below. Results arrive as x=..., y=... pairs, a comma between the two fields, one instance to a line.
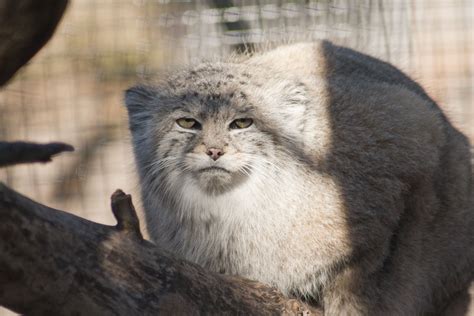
x=351, y=188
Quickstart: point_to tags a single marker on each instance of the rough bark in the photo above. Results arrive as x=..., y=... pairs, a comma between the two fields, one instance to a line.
x=55, y=263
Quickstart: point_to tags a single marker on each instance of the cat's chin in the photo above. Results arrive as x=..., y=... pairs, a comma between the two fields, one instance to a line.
x=216, y=181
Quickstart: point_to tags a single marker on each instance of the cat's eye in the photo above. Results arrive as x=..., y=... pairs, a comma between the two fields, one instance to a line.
x=188, y=123
x=241, y=123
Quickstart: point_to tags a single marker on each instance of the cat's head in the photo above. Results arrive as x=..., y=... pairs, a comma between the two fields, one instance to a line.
x=212, y=127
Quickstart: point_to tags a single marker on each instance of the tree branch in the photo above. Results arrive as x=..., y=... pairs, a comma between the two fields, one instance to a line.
x=52, y=262
x=12, y=153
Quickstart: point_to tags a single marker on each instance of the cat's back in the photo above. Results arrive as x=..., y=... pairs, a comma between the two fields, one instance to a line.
x=385, y=129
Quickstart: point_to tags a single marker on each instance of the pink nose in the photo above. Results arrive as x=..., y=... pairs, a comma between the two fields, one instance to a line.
x=214, y=153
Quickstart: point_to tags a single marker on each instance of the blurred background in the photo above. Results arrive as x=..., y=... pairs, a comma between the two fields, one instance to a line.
x=72, y=90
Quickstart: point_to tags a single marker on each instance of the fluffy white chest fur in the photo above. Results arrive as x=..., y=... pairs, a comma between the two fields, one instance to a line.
x=266, y=219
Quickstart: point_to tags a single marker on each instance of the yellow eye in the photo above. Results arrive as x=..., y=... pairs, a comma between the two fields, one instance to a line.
x=241, y=123
x=188, y=123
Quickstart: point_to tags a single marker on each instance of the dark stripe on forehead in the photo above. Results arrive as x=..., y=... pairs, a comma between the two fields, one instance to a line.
x=213, y=105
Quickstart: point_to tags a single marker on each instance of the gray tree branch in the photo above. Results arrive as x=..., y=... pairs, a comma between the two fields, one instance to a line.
x=55, y=263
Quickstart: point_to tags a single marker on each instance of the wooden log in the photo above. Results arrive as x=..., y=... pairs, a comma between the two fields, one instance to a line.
x=55, y=263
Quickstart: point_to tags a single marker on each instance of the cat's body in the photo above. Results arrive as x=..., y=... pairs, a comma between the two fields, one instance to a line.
x=342, y=180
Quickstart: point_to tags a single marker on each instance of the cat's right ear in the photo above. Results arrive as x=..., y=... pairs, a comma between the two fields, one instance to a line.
x=138, y=101
x=138, y=98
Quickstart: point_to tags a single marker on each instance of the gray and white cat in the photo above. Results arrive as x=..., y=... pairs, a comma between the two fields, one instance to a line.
x=319, y=170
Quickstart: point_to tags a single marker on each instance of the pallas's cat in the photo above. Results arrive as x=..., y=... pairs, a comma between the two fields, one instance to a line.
x=314, y=168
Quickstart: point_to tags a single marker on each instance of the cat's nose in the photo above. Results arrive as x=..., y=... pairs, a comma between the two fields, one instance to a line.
x=214, y=153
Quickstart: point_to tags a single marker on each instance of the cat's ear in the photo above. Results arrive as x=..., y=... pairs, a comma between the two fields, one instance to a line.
x=139, y=100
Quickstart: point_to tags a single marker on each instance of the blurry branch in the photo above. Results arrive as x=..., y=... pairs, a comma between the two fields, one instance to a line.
x=25, y=26
x=12, y=153
x=54, y=263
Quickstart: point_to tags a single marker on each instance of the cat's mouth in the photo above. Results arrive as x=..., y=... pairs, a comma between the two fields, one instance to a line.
x=213, y=169
x=216, y=180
